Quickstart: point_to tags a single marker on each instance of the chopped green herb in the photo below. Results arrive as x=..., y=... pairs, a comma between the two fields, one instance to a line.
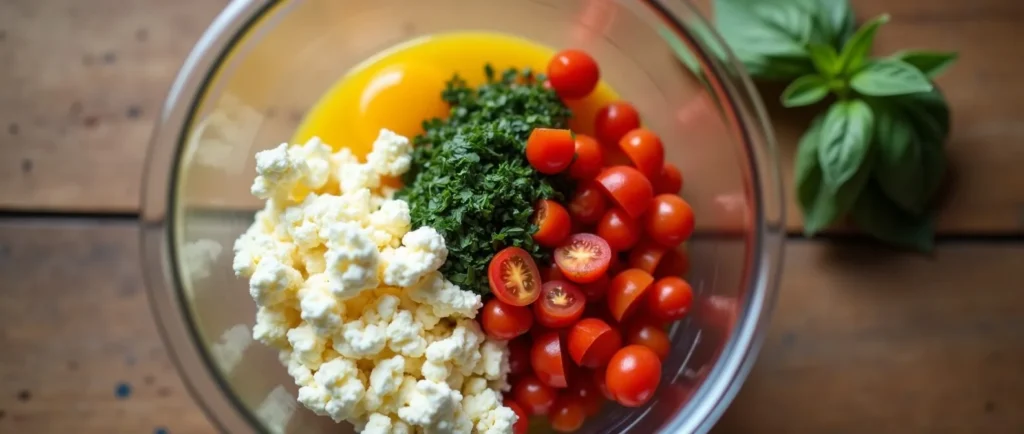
x=470, y=179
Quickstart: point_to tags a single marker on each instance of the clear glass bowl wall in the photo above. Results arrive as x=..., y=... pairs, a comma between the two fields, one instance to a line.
x=263, y=64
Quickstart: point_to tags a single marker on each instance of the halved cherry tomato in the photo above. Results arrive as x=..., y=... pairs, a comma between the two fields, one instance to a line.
x=592, y=342
x=619, y=229
x=645, y=150
x=533, y=395
x=519, y=355
x=560, y=304
x=633, y=375
x=588, y=204
x=650, y=336
x=600, y=379
x=522, y=425
x=546, y=359
x=583, y=258
x=594, y=291
x=629, y=188
x=568, y=414
x=514, y=278
x=669, y=181
x=589, y=158
x=588, y=394
x=646, y=256
x=573, y=74
x=552, y=222
x=505, y=321
x=669, y=299
x=550, y=150
x=675, y=263
x=548, y=274
x=626, y=292
x=669, y=220
x=615, y=120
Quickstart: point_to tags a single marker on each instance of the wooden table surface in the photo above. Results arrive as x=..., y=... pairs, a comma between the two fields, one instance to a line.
x=864, y=340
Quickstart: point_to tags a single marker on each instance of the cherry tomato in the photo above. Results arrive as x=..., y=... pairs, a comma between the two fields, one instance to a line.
x=552, y=222
x=633, y=375
x=551, y=273
x=600, y=379
x=588, y=204
x=567, y=415
x=592, y=342
x=670, y=180
x=583, y=258
x=560, y=304
x=546, y=359
x=669, y=220
x=669, y=299
x=588, y=394
x=615, y=120
x=650, y=336
x=550, y=150
x=514, y=278
x=629, y=188
x=505, y=321
x=573, y=74
x=589, y=158
x=522, y=425
x=519, y=355
x=626, y=291
x=533, y=395
x=619, y=229
x=675, y=263
x=646, y=256
x=645, y=150
x=594, y=291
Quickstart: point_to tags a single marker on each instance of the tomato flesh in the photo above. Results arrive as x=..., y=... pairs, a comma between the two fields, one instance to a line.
x=626, y=291
x=535, y=397
x=645, y=150
x=589, y=158
x=588, y=204
x=550, y=150
x=560, y=304
x=513, y=277
x=504, y=321
x=553, y=223
x=633, y=375
x=573, y=74
x=592, y=342
x=619, y=229
x=615, y=120
x=669, y=221
x=583, y=258
x=670, y=299
x=628, y=188
x=546, y=359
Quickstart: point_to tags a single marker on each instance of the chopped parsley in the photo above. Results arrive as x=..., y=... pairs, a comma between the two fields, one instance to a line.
x=470, y=179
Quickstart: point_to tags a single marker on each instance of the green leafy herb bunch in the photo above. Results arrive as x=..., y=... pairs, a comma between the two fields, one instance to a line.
x=876, y=153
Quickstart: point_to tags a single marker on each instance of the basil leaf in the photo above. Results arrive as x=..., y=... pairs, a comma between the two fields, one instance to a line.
x=806, y=90
x=821, y=206
x=837, y=15
x=929, y=113
x=845, y=142
x=856, y=50
x=777, y=67
x=901, y=168
x=768, y=37
x=882, y=219
x=825, y=59
x=930, y=63
x=888, y=77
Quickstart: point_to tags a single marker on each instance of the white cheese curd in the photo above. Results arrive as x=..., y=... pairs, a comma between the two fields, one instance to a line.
x=346, y=288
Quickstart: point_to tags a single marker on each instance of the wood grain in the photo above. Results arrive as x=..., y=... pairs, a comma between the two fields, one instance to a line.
x=75, y=325
x=862, y=340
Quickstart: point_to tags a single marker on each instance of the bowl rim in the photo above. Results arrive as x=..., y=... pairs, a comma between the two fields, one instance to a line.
x=160, y=217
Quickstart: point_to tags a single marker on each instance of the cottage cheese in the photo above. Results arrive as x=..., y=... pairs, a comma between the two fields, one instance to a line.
x=349, y=292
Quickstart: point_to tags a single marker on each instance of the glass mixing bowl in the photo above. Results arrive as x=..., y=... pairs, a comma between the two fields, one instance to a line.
x=262, y=64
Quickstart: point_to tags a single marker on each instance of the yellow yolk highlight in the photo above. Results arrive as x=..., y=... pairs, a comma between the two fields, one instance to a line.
x=400, y=88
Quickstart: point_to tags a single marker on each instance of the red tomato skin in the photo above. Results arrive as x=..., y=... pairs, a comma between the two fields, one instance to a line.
x=675, y=263
x=628, y=188
x=646, y=256
x=555, y=317
x=669, y=181
x=626, y=292
x=633, y=375
x=600, y=379
x=669, y=221
x=500, y=290
x=583, y=271
x=553, y=223
x=522, y=425
x=592, y=342
x=615, y=120
x=504, y=321
x=669, y=299
x=651, y=336
x=519, y=355
x=546, y=359
x=588, y=204
x=619, y=229
x=550, y=150
x=587, y=393
x=573, y=74
x=645, y=150
x=567, y=415
x=589, y=158
x=535, y=397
